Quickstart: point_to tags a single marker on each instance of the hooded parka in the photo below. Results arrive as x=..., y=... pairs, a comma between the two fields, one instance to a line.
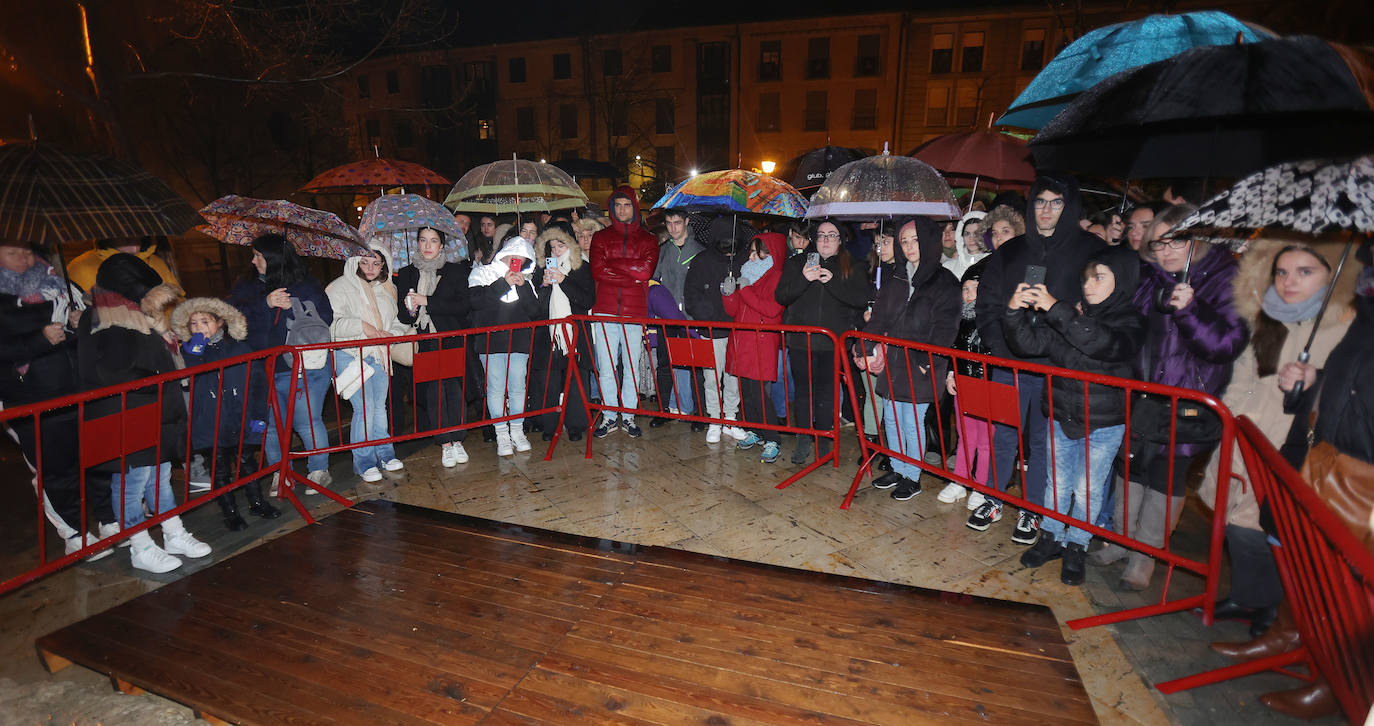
x=216, y=402
x=356, y=301
x=754, y=353
x=496, y=302
x=623, y=259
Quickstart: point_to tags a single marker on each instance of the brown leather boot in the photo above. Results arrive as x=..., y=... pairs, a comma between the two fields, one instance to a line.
x=1309, y=702
x=1282, y=637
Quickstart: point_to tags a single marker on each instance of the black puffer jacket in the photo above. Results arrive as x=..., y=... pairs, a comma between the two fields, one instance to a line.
x=49, y=370
x=969, y=338
x=930, y=314
x=836, y=306
x=1103, y=339
x=701, y=291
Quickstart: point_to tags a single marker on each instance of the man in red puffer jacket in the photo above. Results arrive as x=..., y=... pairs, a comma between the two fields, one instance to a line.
x=623, y=259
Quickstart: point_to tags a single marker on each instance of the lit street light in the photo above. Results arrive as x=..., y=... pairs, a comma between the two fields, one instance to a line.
x=768, y=167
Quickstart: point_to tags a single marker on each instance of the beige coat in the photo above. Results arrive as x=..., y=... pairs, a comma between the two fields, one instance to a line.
x=352, y=305
x=1259, y=398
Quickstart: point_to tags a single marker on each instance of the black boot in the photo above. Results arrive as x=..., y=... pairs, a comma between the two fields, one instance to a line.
x=257, y=504
x=225, y=475
x=232, y=521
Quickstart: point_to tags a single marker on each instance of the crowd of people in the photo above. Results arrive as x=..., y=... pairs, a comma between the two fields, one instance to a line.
x=1035, y=279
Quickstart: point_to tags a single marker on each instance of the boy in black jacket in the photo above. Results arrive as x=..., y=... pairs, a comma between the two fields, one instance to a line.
x=1099, y=335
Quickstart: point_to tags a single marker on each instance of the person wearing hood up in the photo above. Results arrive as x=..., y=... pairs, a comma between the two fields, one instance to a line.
x=123, y=337
x=623, y=258
x=1100, y=334
x=974, y=447
x=969, y=244
x=1060, y=249
x=364, y=303
x=503, y=294
x=752, y=355
x=919, y=303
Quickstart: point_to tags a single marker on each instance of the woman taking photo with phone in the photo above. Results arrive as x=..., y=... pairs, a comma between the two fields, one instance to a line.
x=502, y=294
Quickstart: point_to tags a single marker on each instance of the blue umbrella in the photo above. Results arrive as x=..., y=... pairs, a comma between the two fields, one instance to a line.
x=1109, y=50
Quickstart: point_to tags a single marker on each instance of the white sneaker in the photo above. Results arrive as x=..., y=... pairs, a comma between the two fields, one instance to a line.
x=713, y=434
x=975, y=500
x=321, y=477
x=144, y=554
x=517, y=437
x=372, y=475
x=182, y=543
x=952, y=492
x=735, y=432
x=108, y=530
x=76, y=542
x=504, y=445
x=394, y=465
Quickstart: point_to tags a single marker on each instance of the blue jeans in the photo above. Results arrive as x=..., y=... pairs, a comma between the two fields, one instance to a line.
x=611, y=341
x=906, y=418
x=369, y=414
x=307, y=421
x=781, y=389
x=681, y=396
x=1006, y=439
x=505, y=384
x=1080, y=484
x=151, y=484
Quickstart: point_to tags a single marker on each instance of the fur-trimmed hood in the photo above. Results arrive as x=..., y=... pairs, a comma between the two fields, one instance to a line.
x=1254, y=278
x=235, y=325
x=576, y=254
x=111, y=310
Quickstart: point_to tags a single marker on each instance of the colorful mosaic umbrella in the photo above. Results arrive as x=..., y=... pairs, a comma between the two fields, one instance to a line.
x=239, y=220
x=369, y=175
x=735, y=190
x=395, y=220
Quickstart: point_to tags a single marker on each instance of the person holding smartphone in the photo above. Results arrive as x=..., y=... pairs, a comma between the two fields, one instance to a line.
x=1054, y=251
x=502, y=293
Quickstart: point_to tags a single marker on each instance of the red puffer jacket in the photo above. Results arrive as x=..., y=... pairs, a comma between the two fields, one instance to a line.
x=623, y=259
x=754, y=354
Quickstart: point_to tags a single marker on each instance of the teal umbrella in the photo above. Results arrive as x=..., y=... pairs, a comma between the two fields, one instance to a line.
x=1109, y=50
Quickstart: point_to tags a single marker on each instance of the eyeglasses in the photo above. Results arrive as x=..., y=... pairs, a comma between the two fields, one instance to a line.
x=827, y=235
x=1051, y=203
x=1173, y=244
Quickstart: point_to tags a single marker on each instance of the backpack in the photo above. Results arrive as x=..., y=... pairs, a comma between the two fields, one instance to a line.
x=305, y=328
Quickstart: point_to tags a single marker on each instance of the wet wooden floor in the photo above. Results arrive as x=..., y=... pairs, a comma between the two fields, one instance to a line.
x=390, y=614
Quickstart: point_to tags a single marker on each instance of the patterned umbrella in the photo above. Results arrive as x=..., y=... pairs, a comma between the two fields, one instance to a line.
x=884, y=186
x=735, y=190
x=395, y=219
x=1313, y=198
x=48, y=195
x=515, y=185
x=239, y=220
x=369, y=175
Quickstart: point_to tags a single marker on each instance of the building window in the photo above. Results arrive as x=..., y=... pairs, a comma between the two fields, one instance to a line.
x=374, y=131
x=942, y=53
x=865, y=109
x=524, y=123
x=1033, y=49
x=393, y=82
x=567, y=120
x=770, y=60
x=364, y=86
x=436, y=86
x=610, y=62
x=517, y=70
x=966, y=102
x=868, y=62
x=405, y=134
x=562, y=66
x=770, y=113
x=665, y=158
x=972, y=60
x=937, y=104
x=620, y=118
x=818, y=58
x=484, y=127
x=662, y=58
x=620, y=157
x=816, y=112
x=665, y=118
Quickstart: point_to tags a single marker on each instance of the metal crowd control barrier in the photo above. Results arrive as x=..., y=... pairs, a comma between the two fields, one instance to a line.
x=990, y=403
x=690, y=345
x=1328, y=581
x=102, y=438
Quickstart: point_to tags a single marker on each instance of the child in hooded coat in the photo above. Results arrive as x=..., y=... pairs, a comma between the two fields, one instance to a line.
x=974, y=453
x=1100, y=335
x=212, y=330
x=503, y=294
x=751, y=355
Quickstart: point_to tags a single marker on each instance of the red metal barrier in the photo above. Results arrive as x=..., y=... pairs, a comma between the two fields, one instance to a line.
x=998, y=404
x=689, y=345
x=1328, y=581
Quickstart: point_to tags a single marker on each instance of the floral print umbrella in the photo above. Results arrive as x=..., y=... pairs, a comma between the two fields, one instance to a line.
x=369, y=175
x=239, y=220
x=396, y=219
x=735, y=190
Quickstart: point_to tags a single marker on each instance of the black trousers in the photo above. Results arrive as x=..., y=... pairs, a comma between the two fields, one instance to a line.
x=441, y=404
x=813, y=375
x=548, y=379
x=1255, y=579
x=61, y=466
x=755, y=403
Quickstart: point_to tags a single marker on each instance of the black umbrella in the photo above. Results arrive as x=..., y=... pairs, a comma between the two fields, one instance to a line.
x=809, y=170
x=1217, y=111
x=587, y=168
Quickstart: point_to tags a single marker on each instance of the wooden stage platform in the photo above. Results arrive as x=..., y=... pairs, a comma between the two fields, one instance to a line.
x=389, y=614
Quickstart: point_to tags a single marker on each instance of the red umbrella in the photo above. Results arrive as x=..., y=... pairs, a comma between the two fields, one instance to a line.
x=982, y=153
x=372, y=174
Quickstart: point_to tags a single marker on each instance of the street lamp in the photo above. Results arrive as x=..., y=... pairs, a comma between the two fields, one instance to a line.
x=692, y=172
x=768, y=167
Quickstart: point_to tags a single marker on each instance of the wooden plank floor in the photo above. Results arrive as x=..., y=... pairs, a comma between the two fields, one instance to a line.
x=389, y=614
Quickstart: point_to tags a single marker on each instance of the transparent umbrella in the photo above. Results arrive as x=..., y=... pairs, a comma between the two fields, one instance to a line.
x=515, y=185
x=884, y=186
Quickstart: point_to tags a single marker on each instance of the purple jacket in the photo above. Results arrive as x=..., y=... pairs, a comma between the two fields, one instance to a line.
x=663, y=306
x=1196, y=346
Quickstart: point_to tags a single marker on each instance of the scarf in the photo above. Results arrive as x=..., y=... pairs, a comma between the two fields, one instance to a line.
x=561, y=307
x=1297, y=312
x=37, y=284
x=754, y=270
x=967, y=311
x=429, y=280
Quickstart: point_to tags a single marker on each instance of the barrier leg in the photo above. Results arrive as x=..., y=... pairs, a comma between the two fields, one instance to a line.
x=1207, y=678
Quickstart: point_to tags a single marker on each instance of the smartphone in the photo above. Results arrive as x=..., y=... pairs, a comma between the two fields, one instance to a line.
x=1035, y=275
x=550, y=263
x=813, y=259
x=516, y=264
